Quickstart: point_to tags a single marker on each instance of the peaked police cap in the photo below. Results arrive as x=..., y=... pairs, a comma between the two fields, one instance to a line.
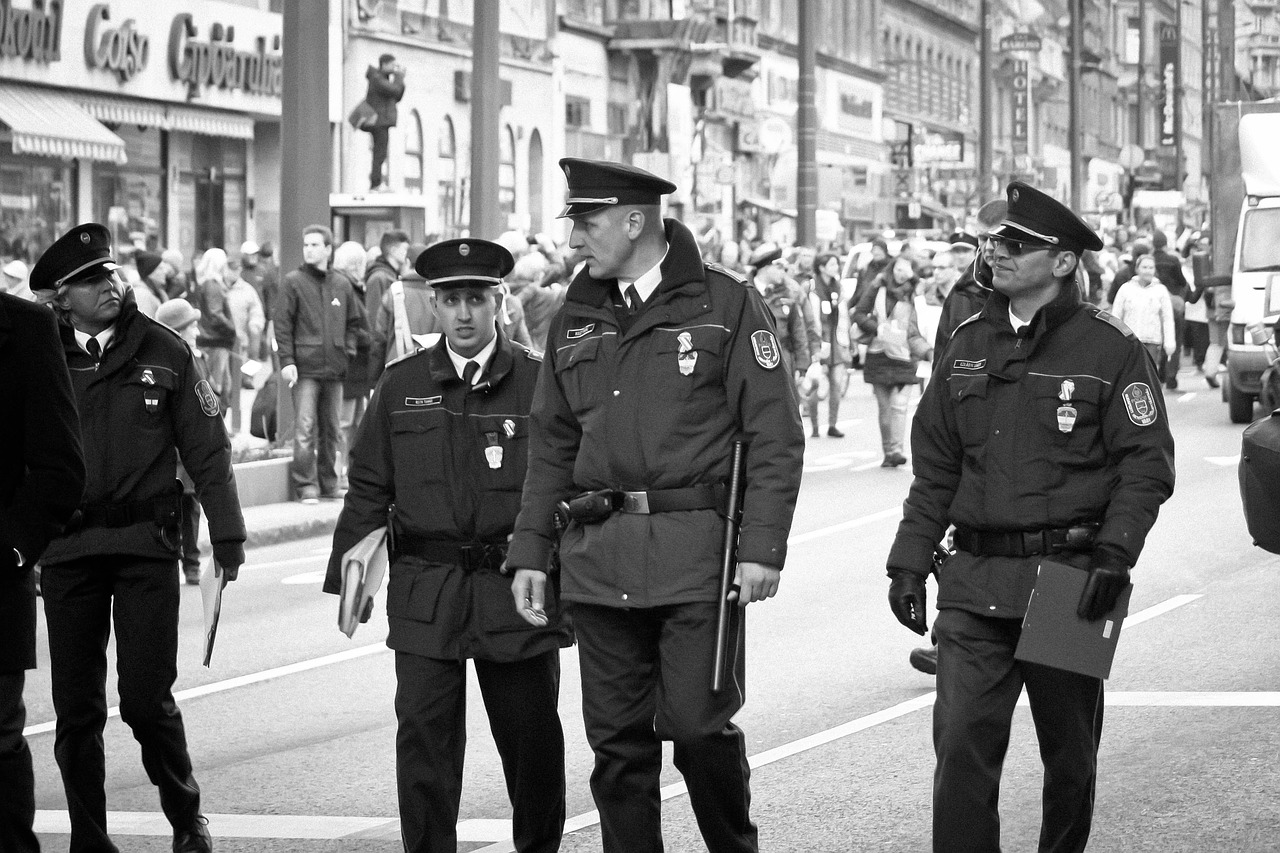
x=82, y=252
x=464, y=263
x=594, y=184
x=1035, y=217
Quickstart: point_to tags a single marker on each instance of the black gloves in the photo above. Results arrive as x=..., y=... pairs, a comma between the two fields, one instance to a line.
x=907, y=599
x=229, y=556
x=1108, y=576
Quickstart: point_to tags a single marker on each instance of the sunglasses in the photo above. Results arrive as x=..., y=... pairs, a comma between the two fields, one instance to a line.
x=1015, y=248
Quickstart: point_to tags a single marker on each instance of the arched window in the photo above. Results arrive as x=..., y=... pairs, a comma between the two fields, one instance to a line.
x=413, y=153
x=507, y=173
x=447, y=177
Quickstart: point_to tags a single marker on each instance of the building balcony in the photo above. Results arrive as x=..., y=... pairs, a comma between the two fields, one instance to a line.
x=589, y=145
x=444, y=32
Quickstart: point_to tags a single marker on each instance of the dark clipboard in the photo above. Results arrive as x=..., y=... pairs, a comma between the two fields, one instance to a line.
x=1052, y=633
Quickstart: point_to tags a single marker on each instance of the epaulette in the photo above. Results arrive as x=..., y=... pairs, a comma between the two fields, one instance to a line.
x=972, y=318
x=407, y=355
x=1115, y=322
x=736, y=276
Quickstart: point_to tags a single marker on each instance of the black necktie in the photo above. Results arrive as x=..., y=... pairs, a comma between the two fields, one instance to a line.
x=633, y=298
x=94, y=348
x=469, y=373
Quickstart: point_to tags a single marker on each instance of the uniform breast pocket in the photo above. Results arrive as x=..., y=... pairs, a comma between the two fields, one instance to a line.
x=969, y=400
x=1066, y=409
x=581, y=371
x=149, y=393
x=417, y=444
x=687, y=359
x=504, y=440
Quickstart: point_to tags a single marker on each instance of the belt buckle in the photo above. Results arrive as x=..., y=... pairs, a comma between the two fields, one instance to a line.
x=636, y=502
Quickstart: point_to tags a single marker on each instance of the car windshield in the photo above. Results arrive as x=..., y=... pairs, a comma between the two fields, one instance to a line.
x=1260, y=240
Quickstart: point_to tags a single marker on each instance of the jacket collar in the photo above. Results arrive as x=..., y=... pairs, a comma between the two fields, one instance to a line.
x=1048, y=317
x=442, y=369
x=681, y=267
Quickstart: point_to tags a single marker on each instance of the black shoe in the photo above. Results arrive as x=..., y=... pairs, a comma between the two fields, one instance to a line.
x=834, y=432
x=1171, y=384
x=191, y=574
x=893, y=460
x=1212, y=380
x=925, y=660
x=195, y=839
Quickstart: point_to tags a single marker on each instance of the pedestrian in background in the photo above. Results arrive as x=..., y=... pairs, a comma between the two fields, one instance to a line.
x=1142, y=304
x=833, y=311
x=13, y=280
x=387, y=267
x=176, y=281
x=349, y=259
x=540, y=302
x=252, y=271
x=406, y=304
x=448, y=534
x=886, y=314
x=317, y=325
x=1169, y=273
x=250, y=320
x=41, y=481
x=143, y=405
x=270, y=284
x=1043, y=432
x=214, y=275
x=149, y=291
x=385, y=89
x=769, y=275
x=654, y=366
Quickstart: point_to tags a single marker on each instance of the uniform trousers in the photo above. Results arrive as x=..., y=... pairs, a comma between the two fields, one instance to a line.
x=82, y=599
x=18, y=804
x=431, y=709
x=978, y=686
x=646, y=676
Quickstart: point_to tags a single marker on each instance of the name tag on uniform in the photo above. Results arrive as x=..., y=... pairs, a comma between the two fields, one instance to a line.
x=419, y=402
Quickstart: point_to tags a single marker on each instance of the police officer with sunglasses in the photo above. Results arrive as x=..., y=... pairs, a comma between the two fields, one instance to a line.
x=1043, y=432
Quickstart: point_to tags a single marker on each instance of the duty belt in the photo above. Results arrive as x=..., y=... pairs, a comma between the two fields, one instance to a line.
x=471, y=556
x=1025, y=543
x=162, y=510
x=596, y=506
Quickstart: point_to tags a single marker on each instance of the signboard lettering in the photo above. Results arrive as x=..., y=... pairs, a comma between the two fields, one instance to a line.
x=216, y=62
x=34, y=33
x=121, y=49
x=1020, y=115
x=1169, y=118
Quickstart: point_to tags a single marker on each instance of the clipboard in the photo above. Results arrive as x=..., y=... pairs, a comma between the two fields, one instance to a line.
x=211, y=598
x=364, y=567
x=1052, y=633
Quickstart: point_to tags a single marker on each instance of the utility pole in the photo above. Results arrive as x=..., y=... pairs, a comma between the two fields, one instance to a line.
x=1075, y=107
x=984, y=102
x=1227, y=51
x=486, y=100
x=1140, y=136
x=806, y=127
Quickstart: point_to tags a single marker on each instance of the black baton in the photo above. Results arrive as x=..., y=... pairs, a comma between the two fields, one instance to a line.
x=728, y=565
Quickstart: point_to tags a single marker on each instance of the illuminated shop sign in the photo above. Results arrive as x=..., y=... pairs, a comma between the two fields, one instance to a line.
x=216, y=63
x=34, y=34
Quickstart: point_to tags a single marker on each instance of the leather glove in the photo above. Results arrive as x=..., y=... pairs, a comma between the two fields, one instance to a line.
x=907, y=599
x=1108, y=577
x=229, y=556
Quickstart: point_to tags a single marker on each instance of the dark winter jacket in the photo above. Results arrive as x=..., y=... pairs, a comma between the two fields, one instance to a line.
x=385, y=90
x=317, y=322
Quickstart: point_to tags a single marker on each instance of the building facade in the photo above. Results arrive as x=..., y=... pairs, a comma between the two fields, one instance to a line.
x=161, y=122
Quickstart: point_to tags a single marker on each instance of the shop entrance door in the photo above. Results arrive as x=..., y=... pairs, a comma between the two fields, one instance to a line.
x=210, y=212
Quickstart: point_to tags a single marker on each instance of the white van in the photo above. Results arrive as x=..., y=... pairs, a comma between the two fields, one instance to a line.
x=1255, y=272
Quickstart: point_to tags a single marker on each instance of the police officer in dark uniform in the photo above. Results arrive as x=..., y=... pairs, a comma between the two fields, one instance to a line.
x=140, y=398
x=443, y=448
x=41, y=480
x=1043, y=432
x=655, y=364
x=786, y=303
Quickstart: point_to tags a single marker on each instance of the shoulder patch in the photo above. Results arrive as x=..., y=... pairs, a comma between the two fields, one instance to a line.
x=765, y=347
x=1115, y=322
x=1140, y=404
x=725, y=271
x=208, y=399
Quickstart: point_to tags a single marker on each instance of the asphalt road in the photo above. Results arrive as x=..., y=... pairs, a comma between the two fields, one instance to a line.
x=292, y=729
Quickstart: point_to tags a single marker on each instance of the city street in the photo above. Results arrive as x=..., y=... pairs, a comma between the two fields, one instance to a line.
x=292, y=728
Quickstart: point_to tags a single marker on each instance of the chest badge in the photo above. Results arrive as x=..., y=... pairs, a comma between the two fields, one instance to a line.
x=493, y=452
x=686, y=356
x=1066, y=412
x=335, y=303
x=148, y=378
x=151, y=401
x=509, y=427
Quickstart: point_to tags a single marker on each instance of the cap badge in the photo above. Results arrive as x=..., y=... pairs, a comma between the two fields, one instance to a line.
x=1013, y=196
x=84, y=236
x=464, y=249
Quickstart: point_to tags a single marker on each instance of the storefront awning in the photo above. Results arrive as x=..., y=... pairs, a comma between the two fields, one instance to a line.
x=52, y=125
x=168, y=117
x=768, y=206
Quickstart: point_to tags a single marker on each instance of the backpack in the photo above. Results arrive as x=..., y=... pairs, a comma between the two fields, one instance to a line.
x=262, y=416
x=1260, y=481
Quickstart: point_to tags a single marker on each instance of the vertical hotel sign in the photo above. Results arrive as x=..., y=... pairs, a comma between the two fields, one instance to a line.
x=1021, y=112
x=1170, y=120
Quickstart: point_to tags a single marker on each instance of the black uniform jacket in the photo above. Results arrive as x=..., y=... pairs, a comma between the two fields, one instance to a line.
x=452, y=461
x=41, y=465
x=658, y=407
x=993, y=450
x=142, y=401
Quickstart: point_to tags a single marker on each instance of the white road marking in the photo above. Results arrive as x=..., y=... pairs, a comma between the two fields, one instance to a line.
x=498, y=831
x=861, y=521
x=305, y=579
x=1224, y=461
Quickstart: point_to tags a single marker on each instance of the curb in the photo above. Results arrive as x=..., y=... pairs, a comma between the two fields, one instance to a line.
x=289, y=532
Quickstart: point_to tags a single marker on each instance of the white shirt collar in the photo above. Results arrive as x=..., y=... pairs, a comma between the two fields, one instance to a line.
x=1017, y=322
x=648, y=282
x=104, y=338
x=482, y=358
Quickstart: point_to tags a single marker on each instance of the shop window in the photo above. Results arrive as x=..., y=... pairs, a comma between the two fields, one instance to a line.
x=36, y=198
x=507, y=172
x=447, y=178
x=413, y=153
x=129, y=198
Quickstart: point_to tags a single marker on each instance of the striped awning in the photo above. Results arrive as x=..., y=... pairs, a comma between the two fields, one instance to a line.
x=168, y=117
x=51, y=124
